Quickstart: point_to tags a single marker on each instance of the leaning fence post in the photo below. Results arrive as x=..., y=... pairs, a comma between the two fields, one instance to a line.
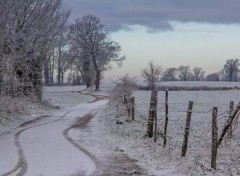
x=230, y=120
x=152, y=111
x=187, y=129
x=230, y=131
x=166, y=119
x=214, y=138
x=133, y=108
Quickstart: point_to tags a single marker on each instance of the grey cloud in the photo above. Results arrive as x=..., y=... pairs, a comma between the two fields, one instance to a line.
x=156, y=15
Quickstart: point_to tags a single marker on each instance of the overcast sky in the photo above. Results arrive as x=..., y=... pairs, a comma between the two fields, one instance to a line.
x=201, y=33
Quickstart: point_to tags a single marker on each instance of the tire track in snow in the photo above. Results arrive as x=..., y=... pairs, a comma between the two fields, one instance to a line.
x=97, y=97
x=84, y=120
x=22, y=162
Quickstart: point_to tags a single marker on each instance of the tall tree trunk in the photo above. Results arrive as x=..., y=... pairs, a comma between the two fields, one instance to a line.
x=86, y=73
x=46, y=71
x=37, y=78
x=1, y=75
x=62, y=76
x=52, y=70
x=59, y=70
x=98, y=74
x=97, y=81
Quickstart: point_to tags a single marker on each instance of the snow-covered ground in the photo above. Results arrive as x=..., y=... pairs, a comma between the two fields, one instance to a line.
x=64, y=141
x=200, y=84
x=160, y=161
x=41, y=145
x=128, y=138
x=23, y=110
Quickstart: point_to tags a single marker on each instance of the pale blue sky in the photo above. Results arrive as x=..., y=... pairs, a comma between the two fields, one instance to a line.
x=204, y=45
x=171, y=32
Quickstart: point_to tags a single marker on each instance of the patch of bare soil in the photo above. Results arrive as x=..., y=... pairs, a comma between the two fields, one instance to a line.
x=120, y=165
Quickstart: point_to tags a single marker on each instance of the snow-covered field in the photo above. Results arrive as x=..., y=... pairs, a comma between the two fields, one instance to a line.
x=160, y=161
x=65, y=96
x=200, y=84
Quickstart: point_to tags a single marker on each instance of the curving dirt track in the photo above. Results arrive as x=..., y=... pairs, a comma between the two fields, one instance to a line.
x=120, y=164
x=97, y=97
x=82, y=122
x=22, y=162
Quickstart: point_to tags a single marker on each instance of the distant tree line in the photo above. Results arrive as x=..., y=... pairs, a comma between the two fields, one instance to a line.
x=36, y=42
x=154, y=73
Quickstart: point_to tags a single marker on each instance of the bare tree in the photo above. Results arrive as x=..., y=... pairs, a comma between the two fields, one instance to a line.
x=184, y=72
x=198, y=73
x=231, y=69
x=152, y=74
x=30, y=32
x=82, y=63
x=6, y=8
x=64, y=64
x=170, y=74
x=60, y=52
x=50, y=63
x=223, y=74
x=89, y=35
x=124, y=88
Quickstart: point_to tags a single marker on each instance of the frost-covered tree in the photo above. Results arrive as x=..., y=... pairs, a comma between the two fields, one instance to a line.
x=184, y=72
x=170, y=74
x=124, y=88
x=152, y=74
x=30, y=31
x=61, y=52
x=231, y=70
x=6, y=8
x=82, y=63
x=198, y=74
x=89, y=35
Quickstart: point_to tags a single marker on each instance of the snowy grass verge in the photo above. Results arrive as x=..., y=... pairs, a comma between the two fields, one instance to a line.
x=16, y=111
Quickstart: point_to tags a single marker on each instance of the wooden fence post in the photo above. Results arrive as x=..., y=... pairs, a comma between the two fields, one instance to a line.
x=152, y=111
x=187, y=129
x=129, y=105
x=230, y=131
x=166, y=119
x=133, y=107
x=229, y=122
x=155, y=132
x=214, y=138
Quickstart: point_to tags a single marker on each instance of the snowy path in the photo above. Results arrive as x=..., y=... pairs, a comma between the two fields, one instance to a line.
x=42, y=148
x=67, y=143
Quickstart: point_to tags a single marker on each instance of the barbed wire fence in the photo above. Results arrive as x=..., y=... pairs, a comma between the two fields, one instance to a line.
x=200, y=132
